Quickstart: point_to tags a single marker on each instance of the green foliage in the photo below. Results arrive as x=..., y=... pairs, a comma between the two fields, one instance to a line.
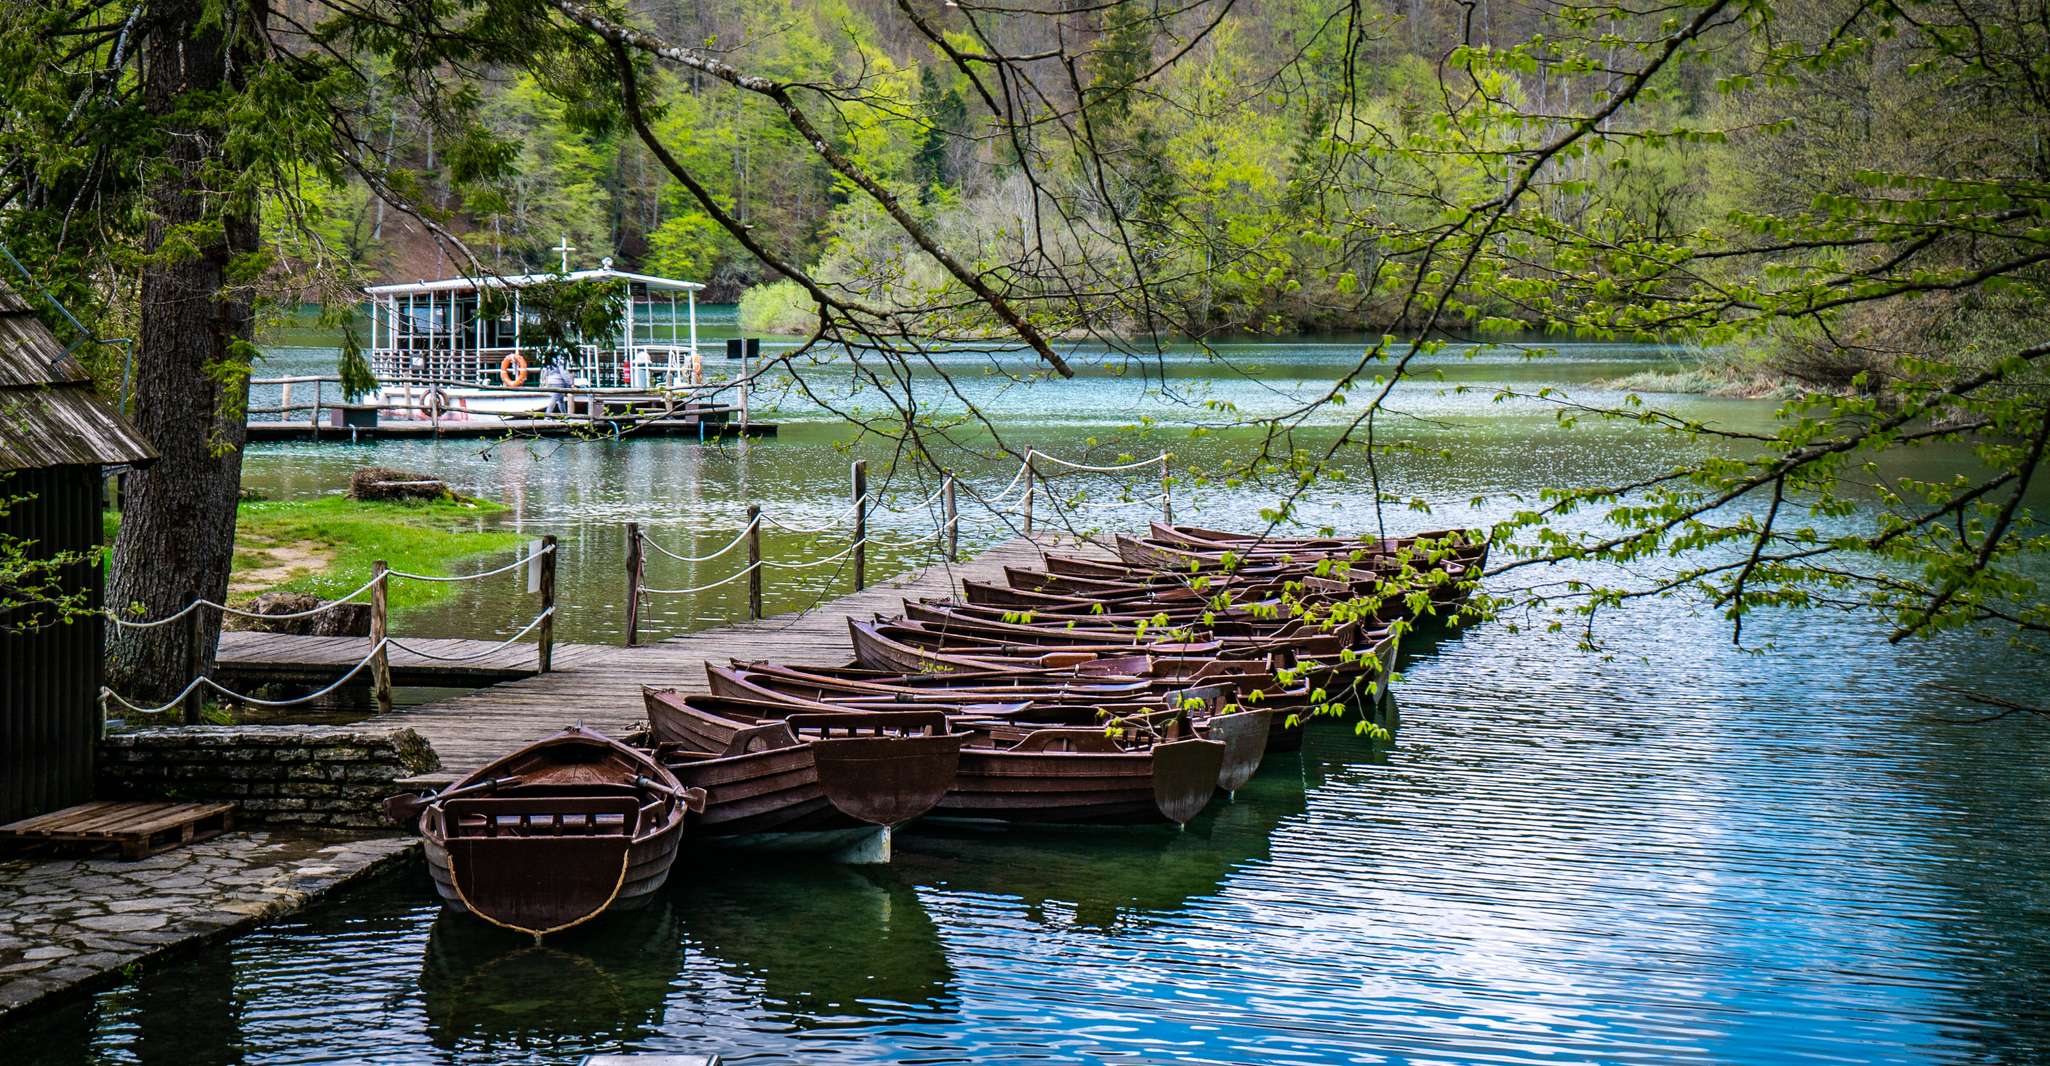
x=778, y=307
x=561, y=313
x=33, y=578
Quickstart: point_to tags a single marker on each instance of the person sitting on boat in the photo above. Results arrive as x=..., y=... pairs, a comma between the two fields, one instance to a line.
x=556, y=376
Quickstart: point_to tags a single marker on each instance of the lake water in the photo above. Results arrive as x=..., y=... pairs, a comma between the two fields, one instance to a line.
x=1682, y=851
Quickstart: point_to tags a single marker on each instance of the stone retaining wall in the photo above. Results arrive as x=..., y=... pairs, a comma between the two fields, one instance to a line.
x=277, y=775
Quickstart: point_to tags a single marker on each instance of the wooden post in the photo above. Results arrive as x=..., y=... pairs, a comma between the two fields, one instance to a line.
x=633, y=584
x=1166, y=489
x=743, y=408
x=318, y=388
x=860, y=524
x=285, y=401
x=195, y=658
x=1030, y=489
x=754, y=560
x=380, y=660
x=545, y=639
x=952, y=518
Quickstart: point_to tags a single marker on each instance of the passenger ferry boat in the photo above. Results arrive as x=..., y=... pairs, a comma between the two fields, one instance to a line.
x=436, y=355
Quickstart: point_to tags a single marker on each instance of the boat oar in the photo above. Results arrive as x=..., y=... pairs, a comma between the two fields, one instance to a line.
x=693, y=798
x=407, y=806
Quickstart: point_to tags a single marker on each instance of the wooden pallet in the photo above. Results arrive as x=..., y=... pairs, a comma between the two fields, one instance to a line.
x=139, y=829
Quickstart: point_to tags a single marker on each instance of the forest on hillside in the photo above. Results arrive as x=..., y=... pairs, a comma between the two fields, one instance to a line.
x=1262, y=165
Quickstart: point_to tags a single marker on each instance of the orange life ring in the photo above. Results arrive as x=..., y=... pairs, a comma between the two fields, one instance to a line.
x=512, y=370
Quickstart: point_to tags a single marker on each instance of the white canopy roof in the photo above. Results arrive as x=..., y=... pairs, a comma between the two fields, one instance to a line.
x=521, y=280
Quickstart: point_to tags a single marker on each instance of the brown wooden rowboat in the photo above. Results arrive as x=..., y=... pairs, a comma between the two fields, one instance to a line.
x=1247, y=733
x=803, y=774
x=554, y=834
x=1466, y=545
x=1057, y=775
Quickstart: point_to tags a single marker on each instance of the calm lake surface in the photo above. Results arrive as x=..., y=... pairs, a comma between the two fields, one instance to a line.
x=1682, y=851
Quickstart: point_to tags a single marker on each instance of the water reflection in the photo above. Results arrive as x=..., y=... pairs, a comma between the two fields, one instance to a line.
x=490, y=990
x=817, y=945
x=1108, y=879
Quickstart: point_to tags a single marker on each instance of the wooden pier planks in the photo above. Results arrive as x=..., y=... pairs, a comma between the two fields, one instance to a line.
x=139, y=829
x=601, y=686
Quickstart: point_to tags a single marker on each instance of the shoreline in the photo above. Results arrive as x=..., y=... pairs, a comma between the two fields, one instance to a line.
x=74, y=926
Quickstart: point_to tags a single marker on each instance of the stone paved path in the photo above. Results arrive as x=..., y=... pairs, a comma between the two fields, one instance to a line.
x=72, y=922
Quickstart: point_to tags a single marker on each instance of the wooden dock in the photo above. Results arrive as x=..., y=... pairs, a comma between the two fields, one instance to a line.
x=393, y=429
x=600, y=686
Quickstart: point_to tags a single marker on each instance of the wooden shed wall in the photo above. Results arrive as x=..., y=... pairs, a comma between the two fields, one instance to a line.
x=50, y=678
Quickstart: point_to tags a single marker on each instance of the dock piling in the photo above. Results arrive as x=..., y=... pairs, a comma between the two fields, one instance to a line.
x=545, y=638
x=1166, y=489
x=633, y=584
x=1030, y=489
x=195, y=657
x=754, y=560
x=860, y=524
x=952, y=518
x=380, y=657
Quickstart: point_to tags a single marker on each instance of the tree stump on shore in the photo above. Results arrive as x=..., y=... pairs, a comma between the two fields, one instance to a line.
x=342, y=620
x=385, y=483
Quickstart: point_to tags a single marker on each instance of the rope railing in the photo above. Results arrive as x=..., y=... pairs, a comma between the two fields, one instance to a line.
x=116, y=617
x=546, y=613
x=945, y=533
x=515, y=564
x=808, y=564
x=339, y=601
x=108, y=695
x=376, y=658
x=738, y=539
x=1034, y=453
x=830, y=526
x=750, y=568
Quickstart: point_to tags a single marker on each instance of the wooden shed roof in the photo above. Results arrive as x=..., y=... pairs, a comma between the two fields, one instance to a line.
x=49, y=413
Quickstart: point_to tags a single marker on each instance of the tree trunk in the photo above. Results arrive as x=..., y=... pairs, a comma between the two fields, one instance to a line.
x=177, y=534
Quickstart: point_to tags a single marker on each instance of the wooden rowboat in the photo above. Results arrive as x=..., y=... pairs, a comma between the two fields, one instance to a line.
x=1054, y=775
x=1083, y=775
x=1469, y=546
x=554, y=834
x=1213, y=710
x=803, y=773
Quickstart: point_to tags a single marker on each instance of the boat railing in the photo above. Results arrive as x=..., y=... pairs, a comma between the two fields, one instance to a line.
x=590, y=403
x=677, y=364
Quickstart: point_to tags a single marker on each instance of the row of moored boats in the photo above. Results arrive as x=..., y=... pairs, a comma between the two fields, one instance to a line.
x=1125, y=689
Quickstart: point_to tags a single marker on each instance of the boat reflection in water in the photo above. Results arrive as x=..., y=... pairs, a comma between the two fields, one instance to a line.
x=817, y=944
x=595, y=987
x=1107, y=878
